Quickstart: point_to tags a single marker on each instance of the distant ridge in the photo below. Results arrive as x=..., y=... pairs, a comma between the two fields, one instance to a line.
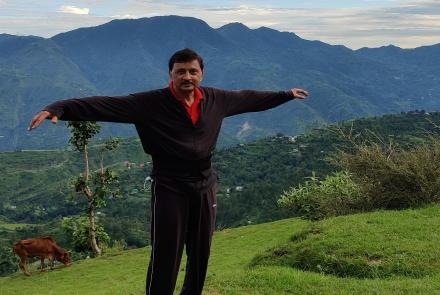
x=125, y=56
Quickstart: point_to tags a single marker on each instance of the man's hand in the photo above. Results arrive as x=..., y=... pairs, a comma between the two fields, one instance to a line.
x=40, y=117
x=299, y=93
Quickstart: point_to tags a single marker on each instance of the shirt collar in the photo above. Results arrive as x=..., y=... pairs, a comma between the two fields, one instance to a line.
x=197, y=93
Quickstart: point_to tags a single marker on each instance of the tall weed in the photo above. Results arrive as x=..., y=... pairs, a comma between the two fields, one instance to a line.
x=393, y=178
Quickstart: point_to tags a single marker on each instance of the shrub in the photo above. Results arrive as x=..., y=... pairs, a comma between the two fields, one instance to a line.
x=393, y=178
x=77, y=230
x=316, y=199
x=8, y=261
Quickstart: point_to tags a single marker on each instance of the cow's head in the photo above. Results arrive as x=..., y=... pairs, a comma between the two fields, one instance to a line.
x=64, y=257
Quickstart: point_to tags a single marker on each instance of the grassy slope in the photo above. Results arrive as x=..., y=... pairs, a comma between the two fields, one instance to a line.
x=12, y=226
x=124, y=272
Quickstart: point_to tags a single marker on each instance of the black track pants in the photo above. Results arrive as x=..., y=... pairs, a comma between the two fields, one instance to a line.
x=183, y=213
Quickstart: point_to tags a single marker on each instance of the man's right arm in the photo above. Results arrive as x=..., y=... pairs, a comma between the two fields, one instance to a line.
x=121, y=109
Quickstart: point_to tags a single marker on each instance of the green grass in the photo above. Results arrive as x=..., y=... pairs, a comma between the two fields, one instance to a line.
x=414, y=232
x=12, y=226
x=405, y=244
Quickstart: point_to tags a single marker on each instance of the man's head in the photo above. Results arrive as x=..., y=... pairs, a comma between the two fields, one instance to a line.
x=185, y=55
x=186, y=70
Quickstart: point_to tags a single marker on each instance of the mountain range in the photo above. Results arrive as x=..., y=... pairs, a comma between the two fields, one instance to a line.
x=126, y=56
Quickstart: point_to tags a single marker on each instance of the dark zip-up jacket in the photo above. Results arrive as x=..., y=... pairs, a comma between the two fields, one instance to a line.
x=164, y=126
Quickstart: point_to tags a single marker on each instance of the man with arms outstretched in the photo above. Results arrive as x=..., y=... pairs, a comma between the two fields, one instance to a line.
x=178, y=126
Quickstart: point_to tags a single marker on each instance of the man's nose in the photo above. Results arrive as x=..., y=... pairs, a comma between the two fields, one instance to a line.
x=187, y=76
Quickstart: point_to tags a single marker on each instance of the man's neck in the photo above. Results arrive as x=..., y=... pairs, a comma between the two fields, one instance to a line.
x=187, y=96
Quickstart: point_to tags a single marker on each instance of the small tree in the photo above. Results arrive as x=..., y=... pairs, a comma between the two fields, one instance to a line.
x=95, y=186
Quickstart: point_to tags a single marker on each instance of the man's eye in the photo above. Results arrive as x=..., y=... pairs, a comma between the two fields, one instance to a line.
x=194, y=72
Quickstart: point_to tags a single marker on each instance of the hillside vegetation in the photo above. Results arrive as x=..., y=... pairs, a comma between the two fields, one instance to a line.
x=398, y=247
x=34, y=184
x=35, y=197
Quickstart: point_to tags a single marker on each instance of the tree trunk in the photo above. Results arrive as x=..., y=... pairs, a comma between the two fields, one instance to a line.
x=89, y=194
x=86, y=163
x=92, y=231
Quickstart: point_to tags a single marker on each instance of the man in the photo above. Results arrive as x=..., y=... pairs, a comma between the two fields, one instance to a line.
x=178, y=126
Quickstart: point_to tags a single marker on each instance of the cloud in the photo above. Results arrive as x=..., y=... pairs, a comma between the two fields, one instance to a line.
x=406, y=24
x=73, y=10
x=123, y=16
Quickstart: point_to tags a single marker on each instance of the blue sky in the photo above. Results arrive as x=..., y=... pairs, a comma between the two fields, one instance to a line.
x=355, y=24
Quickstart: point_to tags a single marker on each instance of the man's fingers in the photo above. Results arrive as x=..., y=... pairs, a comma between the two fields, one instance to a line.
x=34, y=122
x=302, y=95
x=299, y=93
x=30, y=125
x=54, y=119
x=39, y=118
x=305, y=92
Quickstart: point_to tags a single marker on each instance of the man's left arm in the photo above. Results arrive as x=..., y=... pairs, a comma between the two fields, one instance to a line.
x=237, y=102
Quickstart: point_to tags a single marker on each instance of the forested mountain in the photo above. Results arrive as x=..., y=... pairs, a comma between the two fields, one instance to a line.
x=125, y=56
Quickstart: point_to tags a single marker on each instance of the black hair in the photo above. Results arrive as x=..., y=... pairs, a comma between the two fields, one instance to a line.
x=185, y=55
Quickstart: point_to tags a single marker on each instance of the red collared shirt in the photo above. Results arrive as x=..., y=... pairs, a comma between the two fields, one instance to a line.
x=194, y=109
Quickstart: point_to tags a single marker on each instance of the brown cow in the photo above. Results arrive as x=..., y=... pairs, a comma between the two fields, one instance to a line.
x=45, y=247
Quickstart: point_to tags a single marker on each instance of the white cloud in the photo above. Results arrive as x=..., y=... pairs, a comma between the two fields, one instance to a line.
x=409, y=24
x=73, y=10
x=123, y=16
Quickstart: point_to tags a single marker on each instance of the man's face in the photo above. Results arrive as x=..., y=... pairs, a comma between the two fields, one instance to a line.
x=186, y=75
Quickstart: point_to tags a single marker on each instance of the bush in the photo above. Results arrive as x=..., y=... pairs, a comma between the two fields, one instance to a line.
x=393, y=178
x=77, y=229
x=8, y=261
x=316, y=199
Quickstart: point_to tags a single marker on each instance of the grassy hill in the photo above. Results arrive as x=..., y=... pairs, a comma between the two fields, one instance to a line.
x=242, y=260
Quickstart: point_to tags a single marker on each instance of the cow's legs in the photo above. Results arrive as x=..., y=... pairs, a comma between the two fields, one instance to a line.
x=42, y=266
x=51, y=261
x=23, y=265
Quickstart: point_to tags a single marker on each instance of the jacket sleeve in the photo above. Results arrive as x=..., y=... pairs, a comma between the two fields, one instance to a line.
x=237, y=102
x=122, y=109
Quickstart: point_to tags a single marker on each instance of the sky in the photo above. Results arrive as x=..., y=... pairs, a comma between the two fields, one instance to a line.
x=355, y=24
